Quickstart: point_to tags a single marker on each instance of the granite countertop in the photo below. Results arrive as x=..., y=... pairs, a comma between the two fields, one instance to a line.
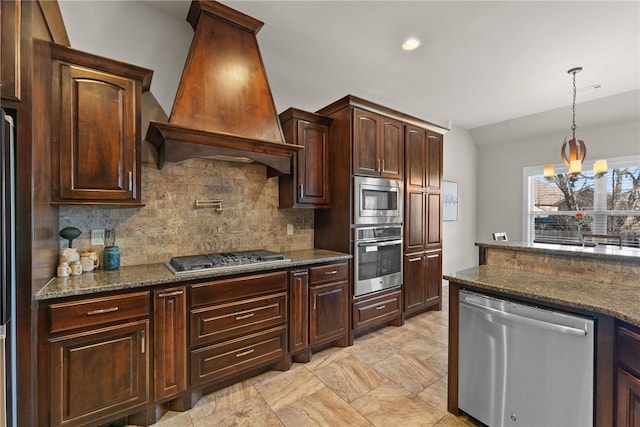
x=596, y=252
x=159, y=274
x=615, y=300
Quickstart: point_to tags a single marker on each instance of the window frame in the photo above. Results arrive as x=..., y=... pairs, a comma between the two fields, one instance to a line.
x=528, y=222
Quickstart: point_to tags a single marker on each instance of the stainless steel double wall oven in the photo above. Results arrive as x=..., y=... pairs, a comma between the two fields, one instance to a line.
x=377, y=234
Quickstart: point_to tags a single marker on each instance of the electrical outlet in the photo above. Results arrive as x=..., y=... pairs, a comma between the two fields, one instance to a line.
x=97, y=237
x=289, y=229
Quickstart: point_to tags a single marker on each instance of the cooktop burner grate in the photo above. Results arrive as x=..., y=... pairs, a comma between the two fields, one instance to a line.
x=215, y=261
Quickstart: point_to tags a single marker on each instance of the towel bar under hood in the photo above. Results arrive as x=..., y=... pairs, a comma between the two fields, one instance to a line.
x=224, y=106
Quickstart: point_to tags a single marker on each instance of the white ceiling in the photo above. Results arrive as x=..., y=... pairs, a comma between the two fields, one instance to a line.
x=481, y=64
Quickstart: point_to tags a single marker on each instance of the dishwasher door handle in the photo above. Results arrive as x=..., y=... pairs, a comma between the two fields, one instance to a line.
x=528, y=320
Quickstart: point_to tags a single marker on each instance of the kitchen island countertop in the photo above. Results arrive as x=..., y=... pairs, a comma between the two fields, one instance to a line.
x=135, y=276
x=621, y=301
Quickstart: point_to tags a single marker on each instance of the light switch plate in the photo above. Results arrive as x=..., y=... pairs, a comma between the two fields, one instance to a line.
x=97, y=237
x=289, y=229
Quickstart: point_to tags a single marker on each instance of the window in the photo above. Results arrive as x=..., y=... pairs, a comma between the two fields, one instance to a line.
x=562, y=211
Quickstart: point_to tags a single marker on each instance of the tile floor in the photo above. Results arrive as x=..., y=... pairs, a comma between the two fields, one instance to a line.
x=395, y=376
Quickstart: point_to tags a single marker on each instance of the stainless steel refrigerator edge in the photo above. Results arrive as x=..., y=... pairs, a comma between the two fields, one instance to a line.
x=524, y=366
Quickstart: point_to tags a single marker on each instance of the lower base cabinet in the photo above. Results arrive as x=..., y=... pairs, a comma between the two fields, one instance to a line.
x=98, y=358
x=137, y=354
x=319, y=297
x=627, y=376
x=378, y=308
x=169, y=342
x=422, y=277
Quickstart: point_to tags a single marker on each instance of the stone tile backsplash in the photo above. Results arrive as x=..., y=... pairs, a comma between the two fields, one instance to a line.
x=169, y=224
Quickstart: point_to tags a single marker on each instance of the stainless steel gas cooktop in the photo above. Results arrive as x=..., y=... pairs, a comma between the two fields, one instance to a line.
x=216, y=261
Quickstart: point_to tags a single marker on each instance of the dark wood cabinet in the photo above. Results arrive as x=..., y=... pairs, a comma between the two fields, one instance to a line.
x=378, y=148
x=308, y=185
x=422, y=281
x=169, y=342
x=299, y=312
x=328, y=301
x=318, y=314
x=422, y=274
x=96, y=108
x=10, y=30
x=98, y=359
x=328, y=314
x=237, y=324
x=381, y=307
x=627, y=376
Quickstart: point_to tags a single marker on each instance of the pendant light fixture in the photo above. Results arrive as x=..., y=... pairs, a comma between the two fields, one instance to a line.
x=577, y=148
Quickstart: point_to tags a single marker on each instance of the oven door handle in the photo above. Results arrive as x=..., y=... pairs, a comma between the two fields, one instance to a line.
x=385, y=243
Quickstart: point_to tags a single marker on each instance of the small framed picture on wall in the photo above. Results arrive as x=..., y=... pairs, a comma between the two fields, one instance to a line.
x=449, y=201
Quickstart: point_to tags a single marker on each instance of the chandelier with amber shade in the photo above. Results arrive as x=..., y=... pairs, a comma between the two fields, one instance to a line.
x=577, y=149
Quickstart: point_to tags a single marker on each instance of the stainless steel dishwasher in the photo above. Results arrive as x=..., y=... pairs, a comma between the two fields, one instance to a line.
x=524, y=366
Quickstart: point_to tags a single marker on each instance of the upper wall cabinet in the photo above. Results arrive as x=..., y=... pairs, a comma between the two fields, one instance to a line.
x=308, y=185
x=96, y=107
x=10, y=24
x=377, y=145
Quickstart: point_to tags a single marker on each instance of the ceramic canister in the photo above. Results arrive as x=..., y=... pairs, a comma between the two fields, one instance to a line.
x=111, y=258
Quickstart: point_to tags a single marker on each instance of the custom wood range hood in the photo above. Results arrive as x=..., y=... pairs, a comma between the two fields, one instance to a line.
x=224, y=107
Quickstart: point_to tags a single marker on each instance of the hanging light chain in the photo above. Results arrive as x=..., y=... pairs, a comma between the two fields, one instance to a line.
x=574, y=71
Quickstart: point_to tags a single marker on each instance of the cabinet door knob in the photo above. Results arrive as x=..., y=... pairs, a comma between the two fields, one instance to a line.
x=301, y=191
x=130, y=181
x=143, y=340
x=378, y=169
x=329, y=273
x=381, y=307
x=382, y=168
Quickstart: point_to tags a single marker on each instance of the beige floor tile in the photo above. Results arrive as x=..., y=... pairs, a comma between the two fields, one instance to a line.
x=423, y=348
x=408, y=372
x=449, y=420
x=404, y=336
x=323, y=408
x=392, y=405
x=287, y=387
x=326, y=357
x=436, y=394
x=175, y=419
x=373, y=351
x=223, y=399
x=440, y=360
x=253, y=412
x=350, y=378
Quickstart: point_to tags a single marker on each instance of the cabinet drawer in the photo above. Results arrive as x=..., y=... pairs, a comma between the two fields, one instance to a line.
x=230, y=357
x=329, y=273
x=628, y=345
x=91, y=312
x=223, y=321
x=237, y=288
x=374, y=310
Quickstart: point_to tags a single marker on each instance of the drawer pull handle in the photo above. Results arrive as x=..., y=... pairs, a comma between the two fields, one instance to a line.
x=381, y=307
x=245, y=353
x=329, y=273
x=170, y=294
x=244, y=316
x=102, y=311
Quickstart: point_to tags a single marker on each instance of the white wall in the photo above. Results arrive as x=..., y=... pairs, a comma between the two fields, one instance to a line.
x=458, y=237
x=500, y=170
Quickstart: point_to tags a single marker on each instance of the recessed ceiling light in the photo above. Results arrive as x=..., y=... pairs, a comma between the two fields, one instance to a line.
x=410, y=43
